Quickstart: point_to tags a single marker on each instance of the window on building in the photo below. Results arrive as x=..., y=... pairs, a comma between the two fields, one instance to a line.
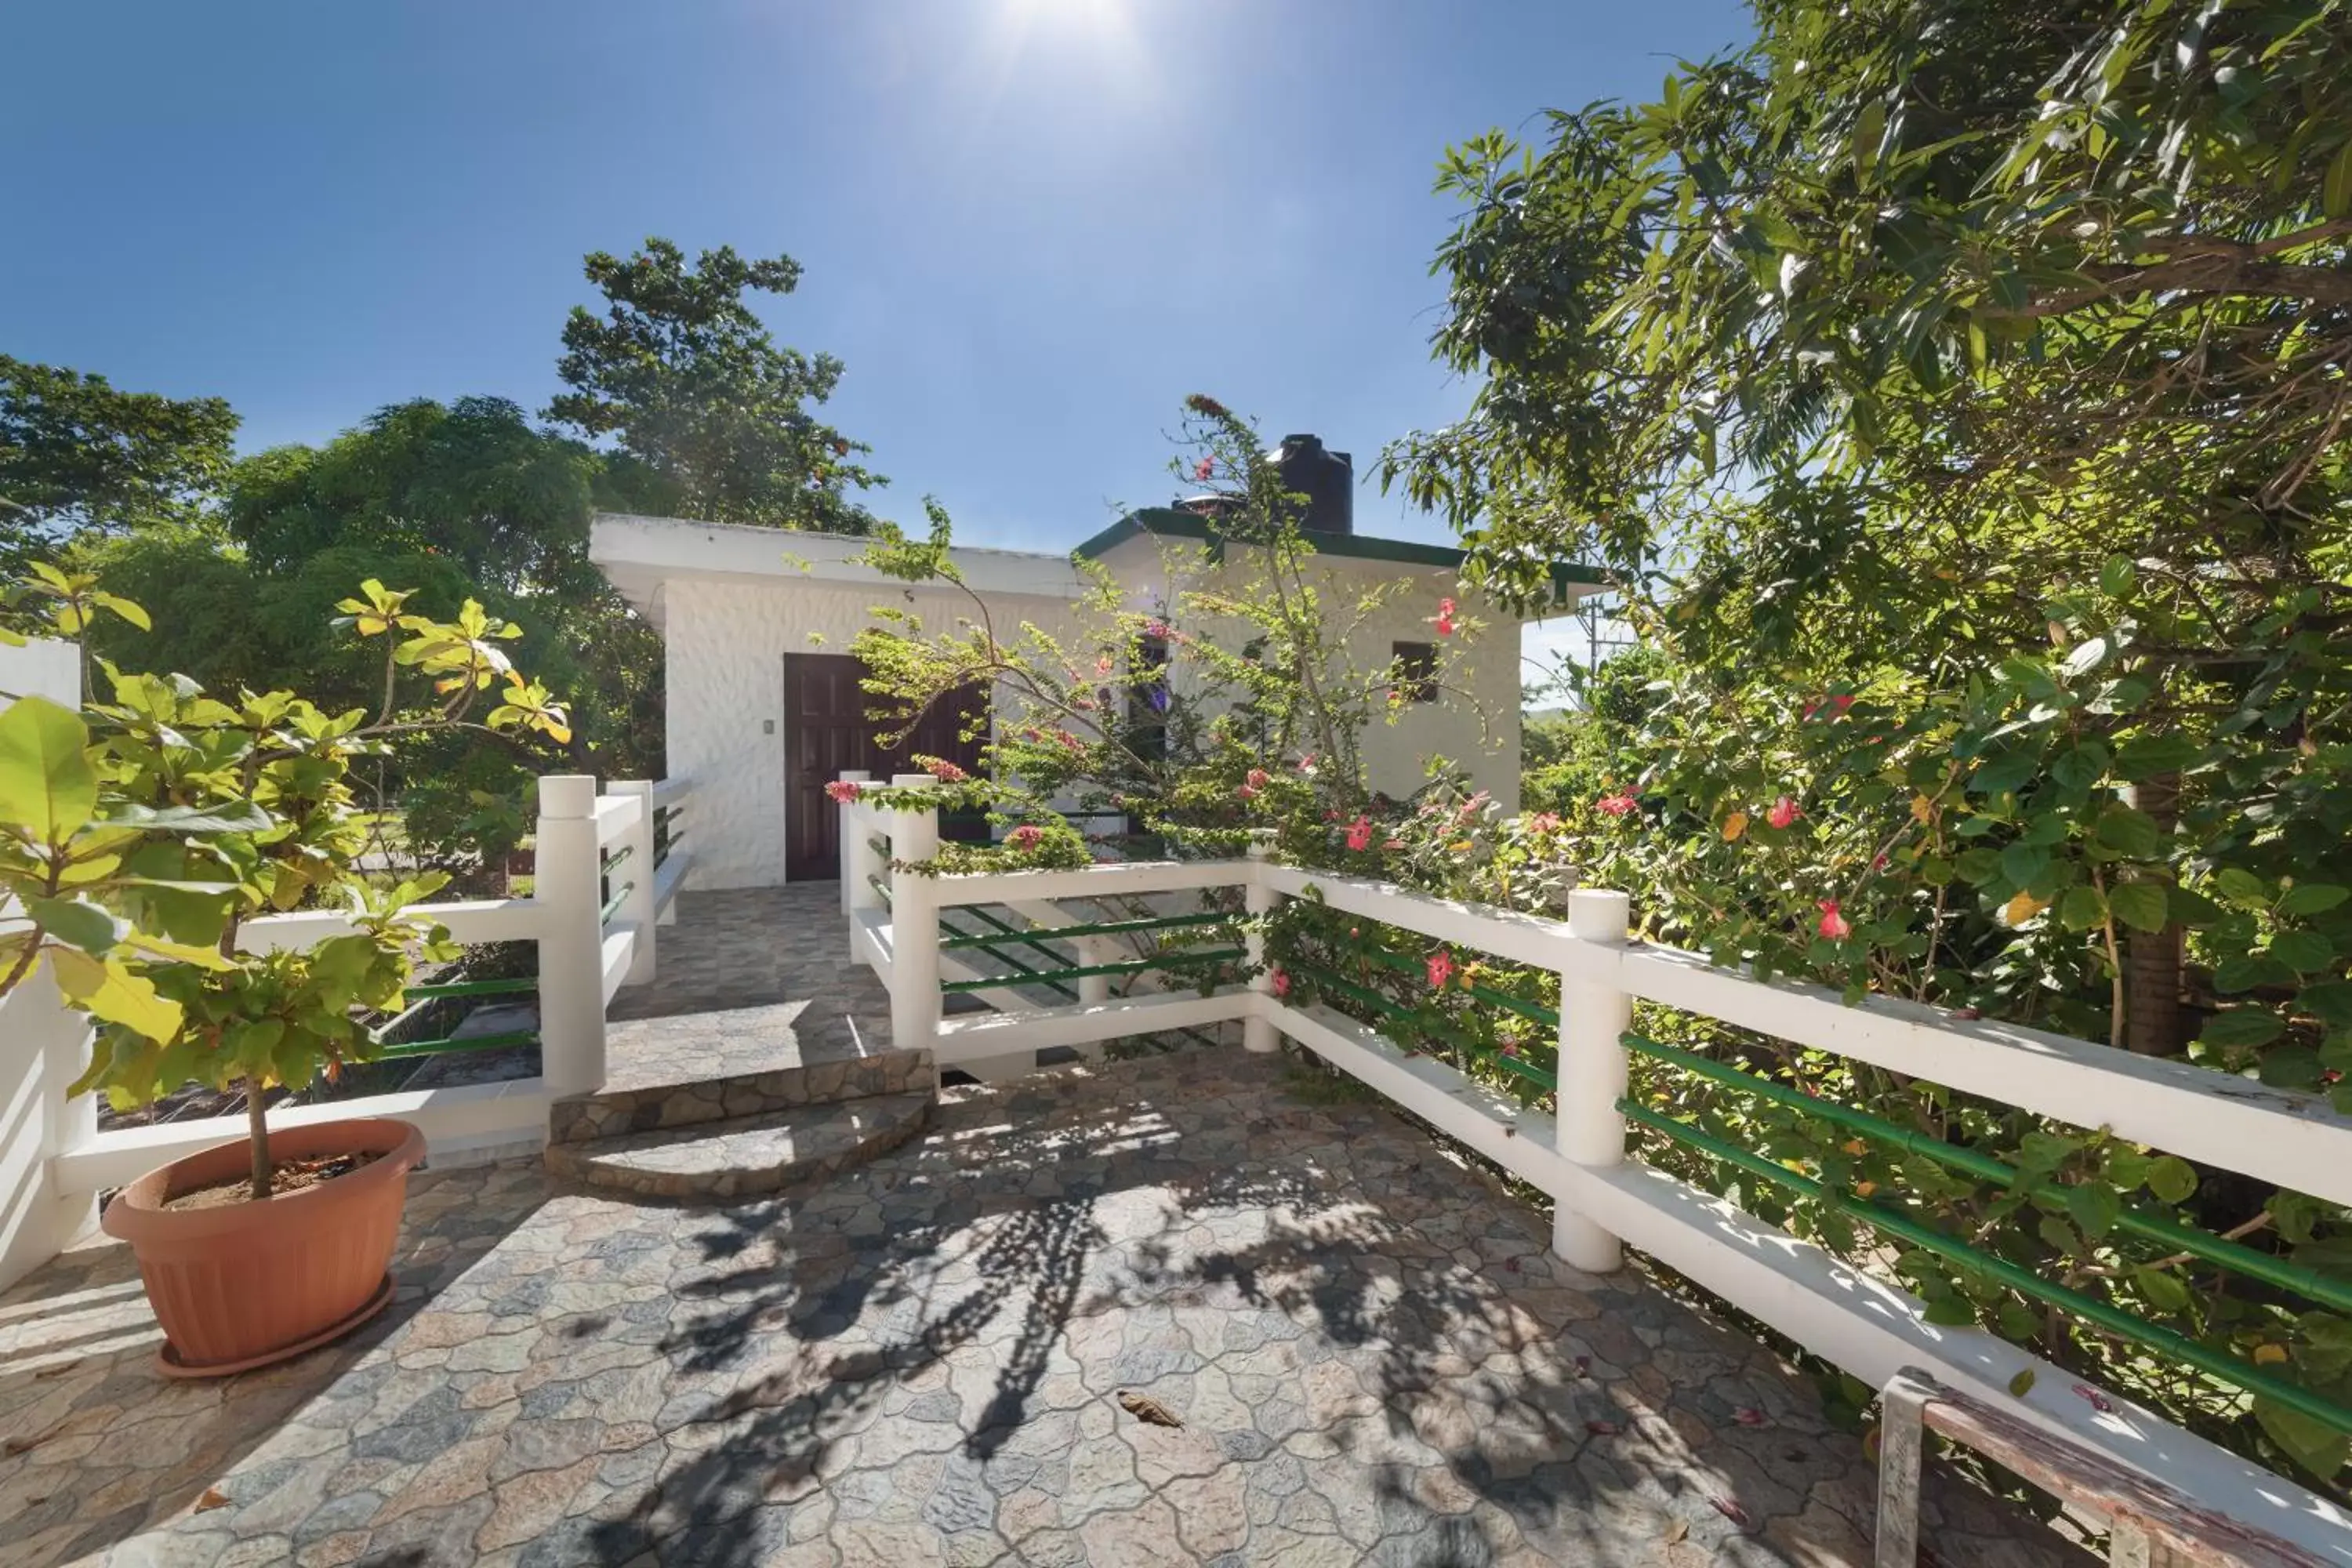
x=1416, y=671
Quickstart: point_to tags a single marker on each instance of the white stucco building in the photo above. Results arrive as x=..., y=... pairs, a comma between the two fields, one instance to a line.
x=763, y=706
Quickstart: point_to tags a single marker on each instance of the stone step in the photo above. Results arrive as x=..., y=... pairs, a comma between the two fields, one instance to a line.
x=745, y=1157
x=700, y=1068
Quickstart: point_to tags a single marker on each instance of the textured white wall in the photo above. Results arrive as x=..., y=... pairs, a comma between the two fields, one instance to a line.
x=726, y=686
x=727, y=643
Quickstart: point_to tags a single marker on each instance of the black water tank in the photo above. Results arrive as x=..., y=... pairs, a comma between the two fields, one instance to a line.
x=1328, y=481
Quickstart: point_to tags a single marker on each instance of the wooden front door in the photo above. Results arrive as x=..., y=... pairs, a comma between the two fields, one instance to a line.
x=828, y=733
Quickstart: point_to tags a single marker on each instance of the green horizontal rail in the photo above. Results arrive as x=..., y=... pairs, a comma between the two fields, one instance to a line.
x=2089, y=1309
x=1038, y=935
x=467, y=1043
x=1373, y=999
x=1018, y=937
x=1535, y=1012
x=613, y=904
x=472, y=988
x=617, y=856
x=1026, y=972
x=2159, y=1228
x=664, y=813
x=881, y=887
x=879, y=845
x=1082, y=971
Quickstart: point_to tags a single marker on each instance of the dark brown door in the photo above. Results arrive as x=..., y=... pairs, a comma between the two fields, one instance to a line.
x=828, y=733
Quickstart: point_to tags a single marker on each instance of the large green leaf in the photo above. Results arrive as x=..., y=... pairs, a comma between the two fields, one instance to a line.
x=49, y=785
x=77, y=921
x=2139, y=905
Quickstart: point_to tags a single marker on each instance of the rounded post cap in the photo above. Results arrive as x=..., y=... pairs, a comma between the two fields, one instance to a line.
x=1599, y=914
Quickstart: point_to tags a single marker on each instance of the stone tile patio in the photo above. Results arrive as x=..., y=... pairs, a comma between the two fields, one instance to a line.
x=1375, y=1358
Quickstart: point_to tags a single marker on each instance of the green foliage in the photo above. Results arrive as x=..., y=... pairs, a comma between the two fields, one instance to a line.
x=139, y=833
x=77, y=455
x=1956, y=389
x=682, y=372
x=1229, y=708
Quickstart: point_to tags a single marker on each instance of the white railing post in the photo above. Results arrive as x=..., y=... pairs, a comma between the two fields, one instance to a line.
x=857, y=860
x=1593, y=1015
x=638, y=908
x=915, y=999
x=565, y=878
x=1095, y=989
x=1259, y=900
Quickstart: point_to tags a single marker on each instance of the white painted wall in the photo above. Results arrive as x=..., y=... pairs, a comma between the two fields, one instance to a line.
x=43, y=1047
x=727, y=642
x=727, y=636
x=1476, y=725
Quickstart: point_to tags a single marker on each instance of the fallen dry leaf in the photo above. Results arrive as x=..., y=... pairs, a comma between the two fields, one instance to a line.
x=1143, y=1407
x=12, y=1447
x=214, y=1497
x=1730, y=1508
x=1675, y=1530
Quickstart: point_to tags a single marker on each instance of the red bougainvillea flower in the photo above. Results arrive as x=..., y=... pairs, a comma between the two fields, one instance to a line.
x=1833, y=924
x=1445, y=617
x=842, y=792
x=1617, y=804
x=1281, y=983
x=1103, y=665
x=945, y=771
x=1307, y=764
x=1257, y=778
x=1784, y=812
x=1511, y=1048
x=1836, y=706
x=1441, y=969
x=1155, y=628
x=1069, y=741
x=1026, y=836
x=1205, y=468
x=1359, y=833
x=1031, y=732
x=1247, y=792
x=1544, y=822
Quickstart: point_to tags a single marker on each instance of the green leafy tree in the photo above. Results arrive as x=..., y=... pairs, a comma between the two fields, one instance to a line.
x=79, y=456
x=1961, y=390
x=684, y=375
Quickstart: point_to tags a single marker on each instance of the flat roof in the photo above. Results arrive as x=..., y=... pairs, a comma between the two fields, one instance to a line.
x=638, y=554
x=1570, y=580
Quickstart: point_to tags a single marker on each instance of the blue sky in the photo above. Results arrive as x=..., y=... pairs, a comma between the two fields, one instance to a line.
x=1029, y=227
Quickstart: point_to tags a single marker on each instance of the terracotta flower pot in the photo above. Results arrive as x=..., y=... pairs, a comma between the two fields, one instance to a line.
x=250, y=1283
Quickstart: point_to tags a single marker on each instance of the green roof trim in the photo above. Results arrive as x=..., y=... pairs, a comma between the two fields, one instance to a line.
x=1167, y=521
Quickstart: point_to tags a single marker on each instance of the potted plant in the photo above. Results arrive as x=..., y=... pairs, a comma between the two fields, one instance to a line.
x=136, y=837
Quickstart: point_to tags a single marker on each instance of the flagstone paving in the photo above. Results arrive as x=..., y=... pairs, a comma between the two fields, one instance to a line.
x=1373, y=1357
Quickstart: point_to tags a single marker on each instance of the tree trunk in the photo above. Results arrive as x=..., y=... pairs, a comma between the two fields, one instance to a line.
x=2151, y=980
x=257, y=1122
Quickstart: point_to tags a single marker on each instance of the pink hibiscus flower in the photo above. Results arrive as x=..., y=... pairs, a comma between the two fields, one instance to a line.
x=1833, y=924
x=1617, y=804
x=1445, y=617
x=1441, y=969
x=842, y=792
x=1784, y=812
x=1360, y=833
x=1281, y=983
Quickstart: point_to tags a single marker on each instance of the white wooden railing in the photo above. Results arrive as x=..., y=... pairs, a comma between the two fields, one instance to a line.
x=583, y=960
x=1603, y=1199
